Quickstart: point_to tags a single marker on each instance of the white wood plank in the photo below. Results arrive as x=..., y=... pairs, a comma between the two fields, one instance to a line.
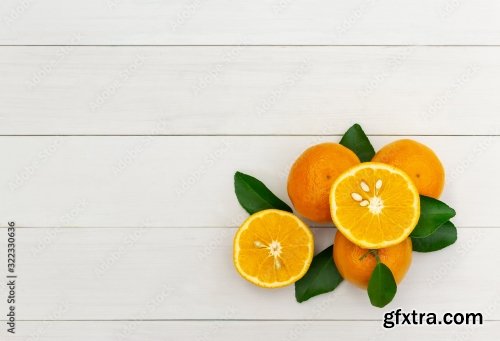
x=187, y=273
x=167, y=181
x=248, y=330
x=249, y=90
x=263, y=22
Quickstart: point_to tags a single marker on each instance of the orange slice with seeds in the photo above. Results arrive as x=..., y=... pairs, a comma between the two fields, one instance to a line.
x=375, y=205
x=273, y=249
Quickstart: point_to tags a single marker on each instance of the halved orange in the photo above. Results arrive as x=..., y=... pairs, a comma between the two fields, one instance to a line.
x=375, y=205
x=273, y=249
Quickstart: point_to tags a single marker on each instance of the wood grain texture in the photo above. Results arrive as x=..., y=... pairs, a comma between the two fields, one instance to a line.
x=167, y=181
x=264, y=22
x=122, y=230
x=249, y=90
x=188, y=273
x=250, y=330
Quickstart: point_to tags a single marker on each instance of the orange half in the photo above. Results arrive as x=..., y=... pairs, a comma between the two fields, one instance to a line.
x=273, y=249
x=375, y=205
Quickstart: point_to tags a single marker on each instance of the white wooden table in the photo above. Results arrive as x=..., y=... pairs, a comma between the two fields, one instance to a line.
x=122, y=123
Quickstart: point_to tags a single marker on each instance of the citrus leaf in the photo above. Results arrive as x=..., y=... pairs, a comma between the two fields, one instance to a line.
x=444, y=236
x=254, y=196
x=356, y=140
x=322, y=277
x=382, y=286
x=433, y=213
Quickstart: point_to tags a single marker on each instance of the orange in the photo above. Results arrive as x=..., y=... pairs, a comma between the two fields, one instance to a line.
x=375, y=205
x=356, y=266
x=312, y=175
x=418, y=161
x=273, y=249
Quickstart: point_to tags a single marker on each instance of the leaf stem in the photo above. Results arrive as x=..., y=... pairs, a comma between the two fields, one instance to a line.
x=364, y=255
x=375, y=254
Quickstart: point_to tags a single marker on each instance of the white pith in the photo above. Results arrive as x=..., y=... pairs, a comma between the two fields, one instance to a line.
x=274, y=250
x=376, y=205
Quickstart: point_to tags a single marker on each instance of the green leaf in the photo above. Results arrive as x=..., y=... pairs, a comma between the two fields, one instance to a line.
x=382, y=286
x=322, y=277
x=433, y=213
x=444, y=236
x=356, y=140
x=254, y=196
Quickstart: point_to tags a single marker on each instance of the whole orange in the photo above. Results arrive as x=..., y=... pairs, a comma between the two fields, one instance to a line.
x=418, y=161
x=312, y=176
x=356, y=265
